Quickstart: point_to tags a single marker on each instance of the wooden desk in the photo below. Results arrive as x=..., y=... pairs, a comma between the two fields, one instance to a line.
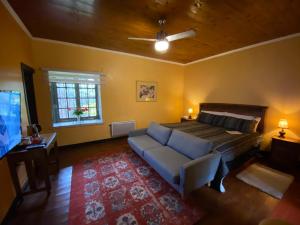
x=33, y=159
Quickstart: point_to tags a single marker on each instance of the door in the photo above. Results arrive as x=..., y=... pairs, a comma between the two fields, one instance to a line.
x=27, y=75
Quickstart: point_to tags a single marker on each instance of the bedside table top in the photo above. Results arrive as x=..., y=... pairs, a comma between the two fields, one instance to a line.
x=187, y=119
x=287, y=139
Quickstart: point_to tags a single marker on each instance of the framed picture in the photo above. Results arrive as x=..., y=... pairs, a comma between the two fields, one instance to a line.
x=146, y=91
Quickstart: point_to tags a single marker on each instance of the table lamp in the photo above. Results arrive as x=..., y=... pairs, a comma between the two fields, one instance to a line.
x=190, y=110
x=283, y=124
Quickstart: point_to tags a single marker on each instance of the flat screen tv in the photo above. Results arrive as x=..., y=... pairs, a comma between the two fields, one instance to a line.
x=10, y=121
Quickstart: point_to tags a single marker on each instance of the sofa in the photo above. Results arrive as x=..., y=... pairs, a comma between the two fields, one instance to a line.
x=186, y=162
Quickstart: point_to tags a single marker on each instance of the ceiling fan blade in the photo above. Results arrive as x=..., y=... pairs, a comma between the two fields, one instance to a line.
x=186, y=34
x=141, y=39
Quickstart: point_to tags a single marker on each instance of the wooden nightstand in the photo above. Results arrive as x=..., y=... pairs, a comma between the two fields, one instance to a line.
x=285, y=152
x=184, y=119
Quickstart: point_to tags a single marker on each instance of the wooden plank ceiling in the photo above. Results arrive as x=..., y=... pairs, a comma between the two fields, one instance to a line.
x=221, y=25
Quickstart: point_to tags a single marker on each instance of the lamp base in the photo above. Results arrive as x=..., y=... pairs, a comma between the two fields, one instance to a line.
x=282, y=134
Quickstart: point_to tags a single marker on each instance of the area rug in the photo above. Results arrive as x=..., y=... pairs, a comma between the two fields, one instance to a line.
x=120, y=188
x=268, y=180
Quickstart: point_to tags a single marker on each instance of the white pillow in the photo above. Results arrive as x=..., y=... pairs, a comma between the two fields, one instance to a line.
x=215, y=113
x=245, y=117
x=240, y=116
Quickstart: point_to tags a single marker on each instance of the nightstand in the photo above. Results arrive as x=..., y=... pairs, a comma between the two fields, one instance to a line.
x=184, y=119
x=285, y=152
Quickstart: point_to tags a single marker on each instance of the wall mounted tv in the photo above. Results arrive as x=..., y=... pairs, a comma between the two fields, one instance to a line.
x=10, y=121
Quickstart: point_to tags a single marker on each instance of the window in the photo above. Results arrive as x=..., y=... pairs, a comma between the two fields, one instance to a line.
x=71, y=91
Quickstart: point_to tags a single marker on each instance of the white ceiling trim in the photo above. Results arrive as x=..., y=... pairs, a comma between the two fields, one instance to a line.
x=245, y=48
x=23, y=27
x=16, y=17
x=21, y=24
x=107, y=50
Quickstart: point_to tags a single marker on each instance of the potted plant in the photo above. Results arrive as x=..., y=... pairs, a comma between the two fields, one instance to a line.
x=79, y=112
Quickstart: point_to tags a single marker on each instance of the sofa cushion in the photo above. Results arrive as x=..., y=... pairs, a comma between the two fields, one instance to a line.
x=166, y=162
x=142, y=143
x=189, y=145
x=159, y=133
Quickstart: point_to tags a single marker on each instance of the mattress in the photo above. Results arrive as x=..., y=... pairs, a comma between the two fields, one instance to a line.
x=229, y=145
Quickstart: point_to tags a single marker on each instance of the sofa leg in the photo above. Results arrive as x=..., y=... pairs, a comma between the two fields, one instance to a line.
x=218, y=185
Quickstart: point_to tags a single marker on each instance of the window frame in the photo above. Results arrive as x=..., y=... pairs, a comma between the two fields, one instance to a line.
x=55, y=106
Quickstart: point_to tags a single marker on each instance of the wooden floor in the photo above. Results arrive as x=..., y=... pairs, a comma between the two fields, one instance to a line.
x=240, y=205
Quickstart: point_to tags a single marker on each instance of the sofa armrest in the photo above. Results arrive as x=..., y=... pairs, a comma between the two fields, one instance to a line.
x=199, y=172
x=137, y=132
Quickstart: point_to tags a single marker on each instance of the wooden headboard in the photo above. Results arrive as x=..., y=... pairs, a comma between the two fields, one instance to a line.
x=250, y=110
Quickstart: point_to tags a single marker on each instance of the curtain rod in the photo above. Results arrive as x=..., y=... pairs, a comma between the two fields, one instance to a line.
x=71, y=71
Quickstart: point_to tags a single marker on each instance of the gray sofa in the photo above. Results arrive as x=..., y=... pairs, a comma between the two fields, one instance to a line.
x=184, y=161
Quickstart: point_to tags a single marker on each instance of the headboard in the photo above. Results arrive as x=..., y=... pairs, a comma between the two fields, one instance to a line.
x=251, y=110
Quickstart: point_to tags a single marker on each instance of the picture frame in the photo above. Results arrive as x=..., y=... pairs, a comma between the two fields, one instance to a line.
x=146, y=91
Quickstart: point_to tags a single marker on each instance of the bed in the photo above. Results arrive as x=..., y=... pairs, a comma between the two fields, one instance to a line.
x=231, y=146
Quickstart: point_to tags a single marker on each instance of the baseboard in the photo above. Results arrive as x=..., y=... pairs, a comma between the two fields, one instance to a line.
x=64, y=147
x=13, y=207
x=10, y=211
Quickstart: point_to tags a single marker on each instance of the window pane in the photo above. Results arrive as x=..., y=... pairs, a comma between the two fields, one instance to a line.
x=61, y=92
x=62, y=103
x=92, y=111
x=83, y=93
x=72, y=103
x=71, y=92
x=63, y=113
x=71, y=85
x=60, y=85
x=92, y=103
x=84, y=102
x=85, y=114
x=82, y=85
x=69, y=96
x=91, y=92
x=71, y=115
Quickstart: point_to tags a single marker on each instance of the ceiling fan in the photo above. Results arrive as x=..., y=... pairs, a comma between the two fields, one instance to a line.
x=163, y=40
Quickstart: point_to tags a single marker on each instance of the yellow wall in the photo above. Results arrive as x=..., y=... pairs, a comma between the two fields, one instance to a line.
x=265, y=75
x=118, y=92
x=14, y=48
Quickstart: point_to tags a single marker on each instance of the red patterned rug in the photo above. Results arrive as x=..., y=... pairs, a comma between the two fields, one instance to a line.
x=120, y=188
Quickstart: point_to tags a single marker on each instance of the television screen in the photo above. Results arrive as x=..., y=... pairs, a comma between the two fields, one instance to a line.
x=10, y=121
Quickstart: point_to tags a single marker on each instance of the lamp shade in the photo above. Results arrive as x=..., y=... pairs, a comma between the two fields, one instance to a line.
x=190, y=110
x=283, y=123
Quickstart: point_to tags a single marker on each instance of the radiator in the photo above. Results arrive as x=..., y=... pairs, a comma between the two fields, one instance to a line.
x=119, y=129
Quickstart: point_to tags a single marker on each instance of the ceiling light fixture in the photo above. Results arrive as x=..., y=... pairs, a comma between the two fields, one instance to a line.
x=162, y=40
x=161, y=45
